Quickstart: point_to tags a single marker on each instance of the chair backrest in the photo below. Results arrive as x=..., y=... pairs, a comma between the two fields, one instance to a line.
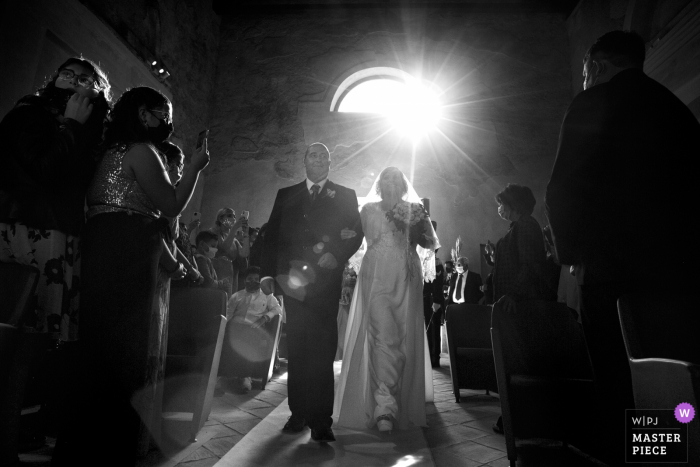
x=469, y=325
x=194, y=319
x=18, y=284
x=660, y=327
x=542, y=338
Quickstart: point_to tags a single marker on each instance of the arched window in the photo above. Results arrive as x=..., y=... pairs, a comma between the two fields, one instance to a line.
x=412, y=106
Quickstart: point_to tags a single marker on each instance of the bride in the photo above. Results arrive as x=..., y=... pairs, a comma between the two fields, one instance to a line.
x=386, y=377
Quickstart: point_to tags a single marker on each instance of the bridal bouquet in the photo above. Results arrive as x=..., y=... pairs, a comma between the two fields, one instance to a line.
x=409, y=215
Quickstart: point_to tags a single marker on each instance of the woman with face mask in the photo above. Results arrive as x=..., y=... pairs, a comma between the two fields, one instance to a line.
x=122, y=331
x=48, y=141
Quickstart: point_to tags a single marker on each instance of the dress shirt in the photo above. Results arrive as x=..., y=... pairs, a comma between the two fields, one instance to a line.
x=247, y=307
x=321, y=184
x=454, y=292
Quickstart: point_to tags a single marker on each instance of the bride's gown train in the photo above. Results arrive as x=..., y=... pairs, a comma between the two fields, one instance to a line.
x=386, y=366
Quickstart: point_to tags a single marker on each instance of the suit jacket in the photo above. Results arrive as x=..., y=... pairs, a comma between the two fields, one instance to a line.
x=621, y=182
x=472, y=294
x=300, y=231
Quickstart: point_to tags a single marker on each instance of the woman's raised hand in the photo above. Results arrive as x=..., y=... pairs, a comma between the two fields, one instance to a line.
x=200, y=158
x=78, y=108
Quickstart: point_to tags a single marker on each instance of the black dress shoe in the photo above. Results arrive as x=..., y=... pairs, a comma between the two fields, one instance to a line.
x=322, y=434
x=295, y=424
x=498, y=426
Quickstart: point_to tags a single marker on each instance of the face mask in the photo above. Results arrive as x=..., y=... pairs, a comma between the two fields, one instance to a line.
x=211, y=253
x=160, y=133
x=251, y=285
x=58, y=98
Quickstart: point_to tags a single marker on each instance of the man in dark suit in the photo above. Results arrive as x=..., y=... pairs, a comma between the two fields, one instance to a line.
x=620, y=192
x=305, y=255
x=465, y=286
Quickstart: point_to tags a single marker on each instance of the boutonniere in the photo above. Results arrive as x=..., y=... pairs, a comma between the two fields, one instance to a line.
x=330, y=194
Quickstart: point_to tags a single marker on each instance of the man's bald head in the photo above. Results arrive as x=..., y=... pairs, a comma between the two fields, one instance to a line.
x=317, y=162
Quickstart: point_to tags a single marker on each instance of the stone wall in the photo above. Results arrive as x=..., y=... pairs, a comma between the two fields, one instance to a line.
x=506, y=80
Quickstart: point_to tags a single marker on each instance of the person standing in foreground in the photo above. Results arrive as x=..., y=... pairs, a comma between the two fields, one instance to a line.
x=305, y=254
x=619, y=192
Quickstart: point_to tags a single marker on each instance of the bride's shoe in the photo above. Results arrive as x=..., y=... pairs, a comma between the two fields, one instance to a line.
x=384, y=423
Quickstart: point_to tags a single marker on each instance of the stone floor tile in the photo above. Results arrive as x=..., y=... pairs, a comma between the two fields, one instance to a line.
x=234, y=415
x=446, y=436
x=485, y=424
x=199, y=453
x=443, y=458
x=494, y=440
x=271, y=397
x=220, y=446
x=244, y=426
x=200, y=463
x=476, y=452
x=219, y=431
x=261, y=412
x=455, y=417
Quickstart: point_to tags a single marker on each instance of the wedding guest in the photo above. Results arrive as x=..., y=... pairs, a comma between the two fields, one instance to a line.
x=465, y=285
x=519, y=256
x=48, y=142
x=206, y=251
x=248, y=308
x=225, y=228
x=175, y=160
x=122, y=332
x=620, y=192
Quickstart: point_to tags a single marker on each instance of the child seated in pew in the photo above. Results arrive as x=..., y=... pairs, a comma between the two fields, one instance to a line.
x=206, y=249
x=247, y=308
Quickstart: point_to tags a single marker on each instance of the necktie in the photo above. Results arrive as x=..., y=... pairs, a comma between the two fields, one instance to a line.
x=458, y=290
x=314, y=191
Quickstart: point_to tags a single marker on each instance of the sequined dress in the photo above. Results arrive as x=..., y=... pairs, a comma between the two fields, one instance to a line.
x=386, y=367
x=123, y=320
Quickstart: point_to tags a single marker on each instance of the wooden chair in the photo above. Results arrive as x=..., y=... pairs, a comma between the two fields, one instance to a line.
x=469, y=343
x=662, y=346
x=18, y=285
x=544, y=375
x=195, y=337
x=251, y=352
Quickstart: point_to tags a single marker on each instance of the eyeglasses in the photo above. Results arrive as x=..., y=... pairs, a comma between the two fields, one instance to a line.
x=83, y=80
x=161, y=115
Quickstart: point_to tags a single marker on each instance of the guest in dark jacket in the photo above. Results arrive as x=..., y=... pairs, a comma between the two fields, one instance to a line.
x=519, y=256
x=622, y=190
x=465, y=285
x=48, y=142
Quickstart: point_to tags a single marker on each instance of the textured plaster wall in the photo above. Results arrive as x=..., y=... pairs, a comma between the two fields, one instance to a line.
x=506, y=79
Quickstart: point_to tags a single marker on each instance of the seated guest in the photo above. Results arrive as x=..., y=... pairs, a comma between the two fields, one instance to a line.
x=206, y=251
x=49, y=139
x=465, y=286
x=249, y=308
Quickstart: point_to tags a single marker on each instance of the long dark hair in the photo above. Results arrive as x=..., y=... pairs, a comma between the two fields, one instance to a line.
x=125, y=126
x=47, y=95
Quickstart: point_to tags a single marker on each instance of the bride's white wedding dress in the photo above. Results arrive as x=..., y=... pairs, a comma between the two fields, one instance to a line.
x=386, y=366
